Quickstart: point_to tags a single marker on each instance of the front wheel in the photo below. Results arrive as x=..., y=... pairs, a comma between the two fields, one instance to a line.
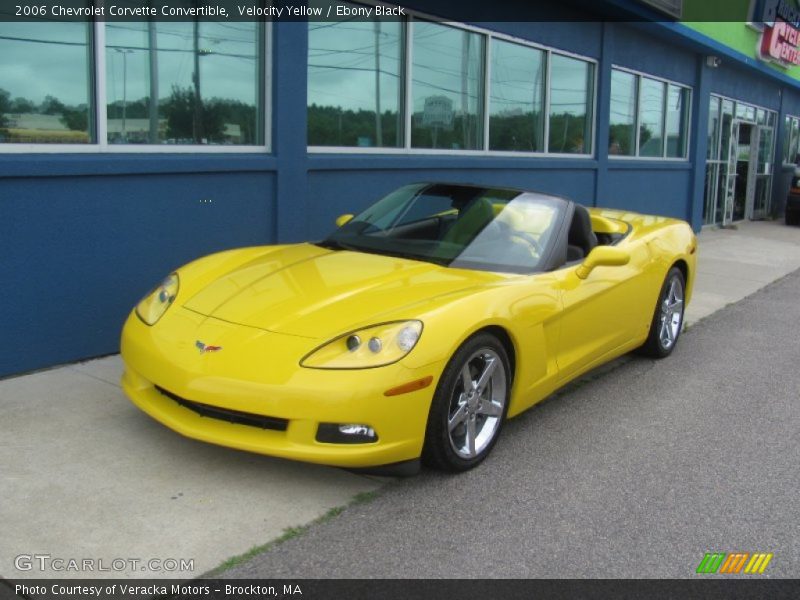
x=667, y=322
x=469, y=405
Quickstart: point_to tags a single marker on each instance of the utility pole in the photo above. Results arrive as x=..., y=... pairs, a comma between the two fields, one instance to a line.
x=378, y=116
x=124, y=52
x=153, y=57
x=197, y=118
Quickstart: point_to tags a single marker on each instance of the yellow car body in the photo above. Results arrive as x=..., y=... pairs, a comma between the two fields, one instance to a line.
x=229, y=349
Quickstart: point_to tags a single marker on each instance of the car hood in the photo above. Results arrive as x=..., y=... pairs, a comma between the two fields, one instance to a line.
x=314, y=292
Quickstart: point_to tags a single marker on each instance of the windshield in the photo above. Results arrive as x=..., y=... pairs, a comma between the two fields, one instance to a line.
x=492, y=229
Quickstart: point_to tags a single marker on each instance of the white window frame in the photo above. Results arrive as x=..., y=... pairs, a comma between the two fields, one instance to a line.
x=97, y=76
x=639, y=75
x=489, y=35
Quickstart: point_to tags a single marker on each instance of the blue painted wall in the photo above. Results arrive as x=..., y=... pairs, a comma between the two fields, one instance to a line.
x=79, y=251
x=83, y=237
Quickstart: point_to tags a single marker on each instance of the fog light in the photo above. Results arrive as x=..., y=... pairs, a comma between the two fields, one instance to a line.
x=357, y=430
x=346, y=433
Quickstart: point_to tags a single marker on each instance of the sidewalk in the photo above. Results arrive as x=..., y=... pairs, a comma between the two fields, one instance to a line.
x=732, y=264
x=85, y=475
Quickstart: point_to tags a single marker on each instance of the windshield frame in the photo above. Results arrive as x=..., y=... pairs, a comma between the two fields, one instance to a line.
x=362, y=233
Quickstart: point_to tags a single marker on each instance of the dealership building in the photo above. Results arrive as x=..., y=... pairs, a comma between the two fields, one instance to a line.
x=128, y=148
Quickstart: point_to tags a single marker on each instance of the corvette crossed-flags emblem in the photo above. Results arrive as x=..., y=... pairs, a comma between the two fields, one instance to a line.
x=204, y=348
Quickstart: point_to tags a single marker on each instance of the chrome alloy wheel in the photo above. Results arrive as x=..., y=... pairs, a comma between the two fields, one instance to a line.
x=477, y=403
x=671, y=317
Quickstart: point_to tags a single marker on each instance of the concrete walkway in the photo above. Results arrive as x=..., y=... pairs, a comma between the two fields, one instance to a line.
x=734, y=263
x=85, y=475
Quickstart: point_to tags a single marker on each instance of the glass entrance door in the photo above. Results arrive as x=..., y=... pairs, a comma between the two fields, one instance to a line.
x=746, y=172
x=763, y=177
x=741, y=146
x=731, y=174
x=742, y=172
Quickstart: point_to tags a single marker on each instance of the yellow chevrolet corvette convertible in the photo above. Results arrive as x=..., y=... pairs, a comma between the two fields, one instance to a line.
x=412, y=332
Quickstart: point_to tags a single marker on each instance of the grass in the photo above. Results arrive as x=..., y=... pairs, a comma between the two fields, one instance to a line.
x=290, y=533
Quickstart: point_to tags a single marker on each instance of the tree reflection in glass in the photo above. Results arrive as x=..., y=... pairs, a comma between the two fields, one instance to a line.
x=45, y=83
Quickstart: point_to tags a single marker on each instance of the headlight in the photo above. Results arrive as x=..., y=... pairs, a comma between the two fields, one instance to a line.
x=156, y=303
x=374, y=346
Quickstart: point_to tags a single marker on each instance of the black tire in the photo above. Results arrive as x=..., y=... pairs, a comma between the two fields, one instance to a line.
x=481, y=412
x=667, y=323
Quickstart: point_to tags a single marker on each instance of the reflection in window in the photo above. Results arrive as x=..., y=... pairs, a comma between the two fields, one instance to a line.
x=354, y=83
x=651, y=118
x=622, y=128
x=447, y=87
x=570, y=105
x=787, y=144
x=713, y=151
x=185, y=83
x=516, y=119
x=794, y=140
x=765, y=151
x=45, y=83
x=727, y=119
x=361, y=72
x=745, y=112
x=677, y=125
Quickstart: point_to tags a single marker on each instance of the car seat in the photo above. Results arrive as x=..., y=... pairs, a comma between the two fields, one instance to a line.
x=581, y=238
x=471, y=220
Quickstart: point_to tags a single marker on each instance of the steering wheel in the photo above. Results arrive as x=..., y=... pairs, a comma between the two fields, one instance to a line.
x=527, y=237
x=522, y=235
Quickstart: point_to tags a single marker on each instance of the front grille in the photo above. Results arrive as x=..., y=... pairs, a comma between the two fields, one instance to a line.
x=228, y=415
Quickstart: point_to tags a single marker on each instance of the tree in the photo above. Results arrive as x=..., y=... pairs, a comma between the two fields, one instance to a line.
x=76, y=119
x=5, y=107
x=179, y=109
x=51, y=106
x=22, y=105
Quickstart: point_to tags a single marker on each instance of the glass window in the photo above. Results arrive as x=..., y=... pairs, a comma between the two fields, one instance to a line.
x=745, y=112
x=447, y=87
x=571, y=83
x=727, y=120
x=661, y=112
x=794, y=139
x=787, y=127
x=651, y=118
x=45, y=83
x=185, y=83
x=765, y=151
x=622, y=127
x=713, y=129
x=516, y=101
x=677, y=126
x=355, y=91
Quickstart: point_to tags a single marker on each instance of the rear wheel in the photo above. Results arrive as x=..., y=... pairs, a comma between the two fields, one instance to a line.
x=667, y=322
x=469, y=405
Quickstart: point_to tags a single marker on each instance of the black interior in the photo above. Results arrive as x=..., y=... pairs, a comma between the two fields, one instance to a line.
x=581, y=238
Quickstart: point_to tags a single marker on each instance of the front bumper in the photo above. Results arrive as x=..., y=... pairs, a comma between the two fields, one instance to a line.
x=258, y=373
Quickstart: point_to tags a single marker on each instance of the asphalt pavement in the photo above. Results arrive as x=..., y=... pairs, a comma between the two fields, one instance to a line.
x=637, y=471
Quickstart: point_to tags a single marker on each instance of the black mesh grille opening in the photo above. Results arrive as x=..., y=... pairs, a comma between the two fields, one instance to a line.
x=228, y=415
